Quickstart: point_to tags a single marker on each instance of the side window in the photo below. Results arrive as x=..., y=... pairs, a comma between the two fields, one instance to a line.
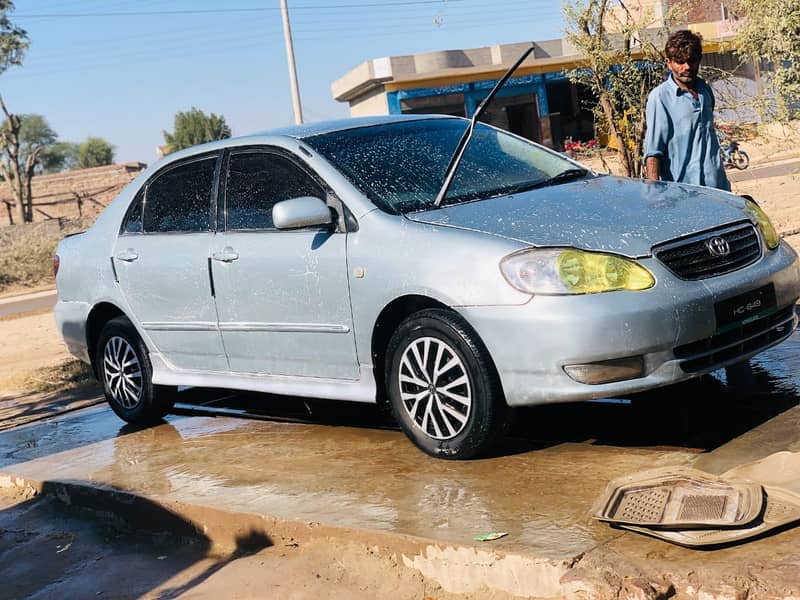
x=256, y=182
x=133, y=223
x=180, y=199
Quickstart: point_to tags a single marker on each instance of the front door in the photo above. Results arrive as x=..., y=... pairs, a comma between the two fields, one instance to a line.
x=161, y=261
x=282, y=296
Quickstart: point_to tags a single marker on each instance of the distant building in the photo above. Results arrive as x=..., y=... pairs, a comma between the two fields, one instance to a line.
x=539, y=102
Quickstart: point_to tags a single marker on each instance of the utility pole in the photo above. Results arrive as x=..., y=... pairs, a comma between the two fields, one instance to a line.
x=287, y=34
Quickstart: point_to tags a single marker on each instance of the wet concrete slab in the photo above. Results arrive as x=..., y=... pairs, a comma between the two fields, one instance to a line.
x=359, y=478
x=366, y=480
x=350, y=477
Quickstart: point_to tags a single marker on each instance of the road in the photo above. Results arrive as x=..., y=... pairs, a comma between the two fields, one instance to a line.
x=25, y=303
x=787, y=168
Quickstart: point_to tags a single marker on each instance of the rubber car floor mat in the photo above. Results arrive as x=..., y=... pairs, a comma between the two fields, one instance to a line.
x=781, y=469
x=679, y=498
x=781, y=507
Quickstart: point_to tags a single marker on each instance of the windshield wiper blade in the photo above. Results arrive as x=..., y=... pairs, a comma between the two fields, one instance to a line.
x=504, y=191
x=462, y=143
x=567, y=175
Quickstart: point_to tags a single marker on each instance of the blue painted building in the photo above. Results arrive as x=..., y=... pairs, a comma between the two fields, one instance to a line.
x=539, y=102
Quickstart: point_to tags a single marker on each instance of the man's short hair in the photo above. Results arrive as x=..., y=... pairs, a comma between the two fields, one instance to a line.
x=684, y=46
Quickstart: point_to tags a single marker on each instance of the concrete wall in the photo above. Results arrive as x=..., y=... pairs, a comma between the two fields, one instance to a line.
x=652, y=11
x=708, y=10
x=57, y=195
x=373, y=103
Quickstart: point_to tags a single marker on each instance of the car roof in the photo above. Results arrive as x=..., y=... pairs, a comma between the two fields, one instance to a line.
x=310, y=129
x=296, y=132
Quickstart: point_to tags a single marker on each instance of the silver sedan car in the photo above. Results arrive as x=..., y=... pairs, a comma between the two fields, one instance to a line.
x=317, y=261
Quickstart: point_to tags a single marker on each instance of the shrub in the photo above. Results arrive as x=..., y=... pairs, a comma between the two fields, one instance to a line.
x=26, y=251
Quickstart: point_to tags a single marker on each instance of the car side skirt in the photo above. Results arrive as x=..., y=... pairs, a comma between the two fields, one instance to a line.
x=362, y=389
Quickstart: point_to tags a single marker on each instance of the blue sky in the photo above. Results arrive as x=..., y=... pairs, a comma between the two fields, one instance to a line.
x=106, y=68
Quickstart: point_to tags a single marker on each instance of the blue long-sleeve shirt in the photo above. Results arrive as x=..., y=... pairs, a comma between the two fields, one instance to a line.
x=680, y=132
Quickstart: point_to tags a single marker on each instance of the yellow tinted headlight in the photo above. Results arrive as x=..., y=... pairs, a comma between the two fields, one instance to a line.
x=771, y=238
x=571, y=271
x=590, y=273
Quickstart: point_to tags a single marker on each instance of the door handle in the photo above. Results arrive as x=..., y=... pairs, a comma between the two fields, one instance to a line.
x=128, y=255
x=227, y=254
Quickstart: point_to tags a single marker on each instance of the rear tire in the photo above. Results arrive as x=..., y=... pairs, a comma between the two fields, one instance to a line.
x=124, y=370
x=443, y=387
x=740, y=159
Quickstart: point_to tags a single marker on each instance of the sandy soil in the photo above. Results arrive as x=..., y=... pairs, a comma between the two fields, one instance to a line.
x=30, y=342
x=45, y=546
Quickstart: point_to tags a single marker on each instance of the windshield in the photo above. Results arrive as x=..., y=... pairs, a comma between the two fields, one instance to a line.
x=401, y=166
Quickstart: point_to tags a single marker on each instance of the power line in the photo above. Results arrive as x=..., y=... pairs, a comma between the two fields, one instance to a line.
x=149, y=13
x=199, y=41
x=208, y=36
x=219, y=42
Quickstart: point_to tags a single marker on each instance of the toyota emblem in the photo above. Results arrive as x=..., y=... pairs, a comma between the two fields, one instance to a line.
x=718, y=246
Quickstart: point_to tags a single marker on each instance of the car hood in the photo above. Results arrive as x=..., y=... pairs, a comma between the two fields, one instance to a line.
x=606, y=213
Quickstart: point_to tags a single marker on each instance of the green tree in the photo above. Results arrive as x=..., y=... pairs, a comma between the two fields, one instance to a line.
x=195, y=127
x=95, y=152
x=23, y=138
x=770, y=30
x=61, y=156
x=622, y=64
x=13, y=40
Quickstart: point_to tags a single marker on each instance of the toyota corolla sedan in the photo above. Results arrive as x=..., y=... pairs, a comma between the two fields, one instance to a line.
x=318, y=261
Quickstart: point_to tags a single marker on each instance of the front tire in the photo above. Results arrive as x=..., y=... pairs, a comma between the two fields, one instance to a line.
x=740, y=160
x=124, y=370
x=443, y=387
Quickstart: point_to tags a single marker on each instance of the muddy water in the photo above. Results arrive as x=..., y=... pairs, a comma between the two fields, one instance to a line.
x=348, y=467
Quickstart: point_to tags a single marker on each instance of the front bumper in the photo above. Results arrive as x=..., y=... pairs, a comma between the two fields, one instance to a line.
x=671, y=326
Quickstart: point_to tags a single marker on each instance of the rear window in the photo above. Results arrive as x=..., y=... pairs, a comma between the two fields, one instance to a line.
x=179, y=200
x=133, y=223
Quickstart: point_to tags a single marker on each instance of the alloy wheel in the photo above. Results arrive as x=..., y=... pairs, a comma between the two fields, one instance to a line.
x=435, y=388
x=122, y=372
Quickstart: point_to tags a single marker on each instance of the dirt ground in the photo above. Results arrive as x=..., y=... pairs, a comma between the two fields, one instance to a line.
x=30, y=342
x=48, y=549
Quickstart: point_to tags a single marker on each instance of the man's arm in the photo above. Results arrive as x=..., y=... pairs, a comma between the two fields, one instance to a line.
x=652, y=164
x=656, y=133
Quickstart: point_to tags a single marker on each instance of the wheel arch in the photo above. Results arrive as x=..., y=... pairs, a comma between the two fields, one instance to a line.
x=387, y=322
x=100, y=314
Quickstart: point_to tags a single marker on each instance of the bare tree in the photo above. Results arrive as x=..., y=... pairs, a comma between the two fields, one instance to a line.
x=770, y=31
x=22, y=138
x=622, y=64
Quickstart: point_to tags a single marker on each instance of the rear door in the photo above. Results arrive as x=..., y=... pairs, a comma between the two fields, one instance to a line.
x=283, y=296
x=161, y=261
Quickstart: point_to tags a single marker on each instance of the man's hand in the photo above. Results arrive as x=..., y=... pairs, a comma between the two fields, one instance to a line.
x=651, y=167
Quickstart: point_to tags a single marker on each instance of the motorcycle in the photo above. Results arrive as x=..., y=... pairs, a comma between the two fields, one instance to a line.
x=732, y=156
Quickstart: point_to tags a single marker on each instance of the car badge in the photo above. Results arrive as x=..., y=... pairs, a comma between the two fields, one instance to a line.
x=718, y=246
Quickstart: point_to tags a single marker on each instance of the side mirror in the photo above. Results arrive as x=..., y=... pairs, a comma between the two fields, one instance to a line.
x=305, y=211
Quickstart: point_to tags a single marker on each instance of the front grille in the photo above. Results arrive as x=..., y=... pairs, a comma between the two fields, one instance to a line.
x=691, y=258
x=705, y=355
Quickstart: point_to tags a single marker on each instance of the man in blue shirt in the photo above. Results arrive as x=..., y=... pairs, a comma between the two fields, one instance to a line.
x=680, y=141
